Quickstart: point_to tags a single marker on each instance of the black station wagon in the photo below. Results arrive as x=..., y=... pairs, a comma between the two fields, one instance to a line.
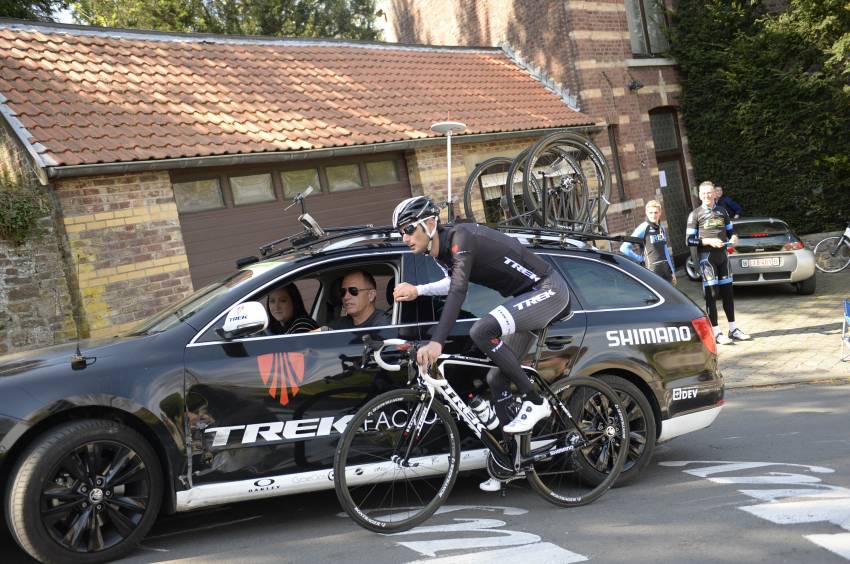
x=173, y=416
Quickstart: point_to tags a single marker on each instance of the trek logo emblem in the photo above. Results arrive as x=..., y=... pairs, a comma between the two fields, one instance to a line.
x=521, y=269
x=282, y=373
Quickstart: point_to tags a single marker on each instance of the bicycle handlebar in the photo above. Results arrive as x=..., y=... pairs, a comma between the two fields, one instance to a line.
x=378, y=346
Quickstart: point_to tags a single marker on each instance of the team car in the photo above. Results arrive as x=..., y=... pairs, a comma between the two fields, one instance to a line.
x=767, y=252
x=195, y=407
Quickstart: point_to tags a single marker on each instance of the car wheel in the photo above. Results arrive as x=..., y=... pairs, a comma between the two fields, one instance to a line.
x=642, y=432
x=691, y=269
x=806, y=287
x=84, y=492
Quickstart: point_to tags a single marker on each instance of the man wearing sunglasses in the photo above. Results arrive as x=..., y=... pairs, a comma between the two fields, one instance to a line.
x=468, y=252
x=358, y=295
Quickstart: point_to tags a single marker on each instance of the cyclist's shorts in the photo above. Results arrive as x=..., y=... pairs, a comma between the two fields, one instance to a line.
x=662, y=269
x=714, y=267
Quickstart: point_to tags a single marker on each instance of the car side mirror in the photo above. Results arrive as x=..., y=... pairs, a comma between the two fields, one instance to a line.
x=244, y=319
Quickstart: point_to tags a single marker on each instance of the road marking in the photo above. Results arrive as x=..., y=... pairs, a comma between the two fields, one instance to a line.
x=539, y=553
x=809, y=502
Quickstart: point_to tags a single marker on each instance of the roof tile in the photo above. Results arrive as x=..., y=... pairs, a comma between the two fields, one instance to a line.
x=89, y=96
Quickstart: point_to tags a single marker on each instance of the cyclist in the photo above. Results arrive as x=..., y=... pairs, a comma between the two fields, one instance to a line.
x=709, y=228
x=656, y=253
x=469, y=252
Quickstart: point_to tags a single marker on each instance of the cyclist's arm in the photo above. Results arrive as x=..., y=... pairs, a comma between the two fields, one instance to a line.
x=627, y=249
x=463, y=245
x=438, y=288
x=692, y=232
x=667, y=251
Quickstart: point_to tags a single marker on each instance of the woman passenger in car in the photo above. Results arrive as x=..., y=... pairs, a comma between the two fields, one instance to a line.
x=287, y=313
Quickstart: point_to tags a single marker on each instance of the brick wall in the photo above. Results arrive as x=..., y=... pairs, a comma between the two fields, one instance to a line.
x=427, y=166
x=35, y=303
x=582, y=44
x=125, y=239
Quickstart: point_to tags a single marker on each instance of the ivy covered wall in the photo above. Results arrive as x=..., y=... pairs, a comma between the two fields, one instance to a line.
x=766, y=103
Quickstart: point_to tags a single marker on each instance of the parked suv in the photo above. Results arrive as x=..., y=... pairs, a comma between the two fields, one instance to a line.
x=174, y=415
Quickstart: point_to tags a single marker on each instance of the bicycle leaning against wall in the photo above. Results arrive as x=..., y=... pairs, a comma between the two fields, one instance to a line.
x=398, y=458
x=833, y=253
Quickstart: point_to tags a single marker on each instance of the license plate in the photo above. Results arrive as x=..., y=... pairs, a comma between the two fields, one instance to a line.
x=768, y=261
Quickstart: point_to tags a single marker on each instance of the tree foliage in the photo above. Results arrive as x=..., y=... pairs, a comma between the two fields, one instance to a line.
x=41, y=10
x=351, y=19
x=766, y=104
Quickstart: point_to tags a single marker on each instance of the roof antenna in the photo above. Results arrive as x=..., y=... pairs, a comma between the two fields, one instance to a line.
x=447, y=128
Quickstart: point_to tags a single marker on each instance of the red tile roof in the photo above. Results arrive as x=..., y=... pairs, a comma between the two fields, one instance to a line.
x=85, y=96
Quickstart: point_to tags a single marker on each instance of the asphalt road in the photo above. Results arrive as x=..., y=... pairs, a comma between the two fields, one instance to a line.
x=769, y=482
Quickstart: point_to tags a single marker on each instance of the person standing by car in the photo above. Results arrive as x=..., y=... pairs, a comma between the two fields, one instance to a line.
x=733, y=208
x=469, y=252
x=655, y=255
x=709, y=229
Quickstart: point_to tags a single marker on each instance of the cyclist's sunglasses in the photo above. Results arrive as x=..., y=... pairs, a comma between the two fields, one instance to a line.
x=352, y=290
x=410, y=228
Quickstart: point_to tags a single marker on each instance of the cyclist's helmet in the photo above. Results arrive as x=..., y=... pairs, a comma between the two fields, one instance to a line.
x=414, y=209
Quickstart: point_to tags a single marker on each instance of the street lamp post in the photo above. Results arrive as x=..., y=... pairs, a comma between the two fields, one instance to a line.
x=447, y=128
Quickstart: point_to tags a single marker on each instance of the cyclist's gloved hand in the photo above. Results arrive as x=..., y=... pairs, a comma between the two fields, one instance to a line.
x=428, y=354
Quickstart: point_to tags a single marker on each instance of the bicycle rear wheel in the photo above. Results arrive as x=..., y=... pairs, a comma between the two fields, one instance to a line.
x=484, y=199
x=577, y=178
x=602, y=445
x=388, y=476
x=832, y=255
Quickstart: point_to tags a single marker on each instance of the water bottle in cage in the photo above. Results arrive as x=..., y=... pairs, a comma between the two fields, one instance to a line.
x=485, y=412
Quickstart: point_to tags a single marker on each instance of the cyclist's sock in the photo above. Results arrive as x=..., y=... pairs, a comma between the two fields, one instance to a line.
x=732, y=326
x=502, y=405
x=533, y=397
x=716, y=330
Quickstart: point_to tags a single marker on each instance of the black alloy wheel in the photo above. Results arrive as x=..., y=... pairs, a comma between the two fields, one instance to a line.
x=87, y=491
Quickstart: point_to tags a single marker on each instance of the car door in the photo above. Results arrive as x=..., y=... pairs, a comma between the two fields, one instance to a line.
x=268, y=406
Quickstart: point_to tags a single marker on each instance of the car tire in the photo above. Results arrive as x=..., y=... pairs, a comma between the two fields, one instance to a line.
x=806, y=287
x=642, y=432
x=86, y=491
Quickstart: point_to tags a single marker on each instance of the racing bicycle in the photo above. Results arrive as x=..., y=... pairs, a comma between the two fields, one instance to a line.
x=400, y=454
x=833, y=253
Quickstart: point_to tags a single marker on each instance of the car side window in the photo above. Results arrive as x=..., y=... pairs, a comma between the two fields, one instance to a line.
x=603, y=286
x=479, y=301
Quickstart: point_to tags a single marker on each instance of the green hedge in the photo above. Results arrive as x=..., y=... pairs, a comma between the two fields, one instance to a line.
x=766, y=105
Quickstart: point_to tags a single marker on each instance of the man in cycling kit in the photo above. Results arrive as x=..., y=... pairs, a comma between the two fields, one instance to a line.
x=655, y=255
x=709, y=228
x=466, y=253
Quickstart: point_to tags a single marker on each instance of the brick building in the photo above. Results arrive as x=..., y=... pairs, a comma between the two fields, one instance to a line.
x=165, y=157
x=607, y=54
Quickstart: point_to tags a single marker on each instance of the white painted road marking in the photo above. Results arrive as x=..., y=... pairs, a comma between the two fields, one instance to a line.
x=809, y=502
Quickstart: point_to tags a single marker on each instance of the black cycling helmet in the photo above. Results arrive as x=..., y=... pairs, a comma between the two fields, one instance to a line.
x=414, y=209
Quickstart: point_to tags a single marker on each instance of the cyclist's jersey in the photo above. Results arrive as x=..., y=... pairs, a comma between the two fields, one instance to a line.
x=708, y=223
x=474, y=253
x=655, y=249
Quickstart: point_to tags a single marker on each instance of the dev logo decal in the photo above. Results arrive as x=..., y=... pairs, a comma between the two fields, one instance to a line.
x=282, y=374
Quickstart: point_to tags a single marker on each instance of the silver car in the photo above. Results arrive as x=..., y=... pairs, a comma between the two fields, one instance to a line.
x=768, y=252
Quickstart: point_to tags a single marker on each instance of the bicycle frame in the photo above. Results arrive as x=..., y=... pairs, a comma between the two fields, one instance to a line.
x=520, y=459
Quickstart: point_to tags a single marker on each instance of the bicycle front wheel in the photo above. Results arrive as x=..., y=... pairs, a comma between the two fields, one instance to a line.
x=832, y=254
x=597, y=438
x=390, y=475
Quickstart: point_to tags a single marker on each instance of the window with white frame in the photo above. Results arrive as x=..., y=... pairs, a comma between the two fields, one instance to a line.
x=647, y=25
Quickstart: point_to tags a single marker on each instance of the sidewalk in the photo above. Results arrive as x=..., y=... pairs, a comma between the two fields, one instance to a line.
x=795, y=338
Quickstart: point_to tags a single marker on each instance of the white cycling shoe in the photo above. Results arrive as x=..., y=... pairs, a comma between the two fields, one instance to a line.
x=529, y=414
x=491, y=485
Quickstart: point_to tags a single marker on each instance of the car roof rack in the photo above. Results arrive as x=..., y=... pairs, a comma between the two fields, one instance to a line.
x=556, y=234
x=306, y=240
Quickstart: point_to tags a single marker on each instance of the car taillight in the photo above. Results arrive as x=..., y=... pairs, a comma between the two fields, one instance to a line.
x=730, y=249
x=703, y=328
x=793, y=246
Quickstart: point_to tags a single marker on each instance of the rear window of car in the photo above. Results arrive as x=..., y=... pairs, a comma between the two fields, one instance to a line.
x=760, y=229
x=602, y=286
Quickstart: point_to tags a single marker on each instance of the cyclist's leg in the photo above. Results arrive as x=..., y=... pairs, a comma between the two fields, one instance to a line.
x=709, y=280
x=519, y=344
x=526, y=312
x=724, y=283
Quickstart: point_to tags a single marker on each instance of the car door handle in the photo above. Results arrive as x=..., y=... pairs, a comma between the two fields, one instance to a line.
x=558, y=343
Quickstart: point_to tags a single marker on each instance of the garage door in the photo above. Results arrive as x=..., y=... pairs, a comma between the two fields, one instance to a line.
x=228, y=213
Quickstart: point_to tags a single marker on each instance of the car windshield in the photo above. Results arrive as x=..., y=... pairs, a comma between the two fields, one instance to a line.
x=760, y=229
x=186, y=308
